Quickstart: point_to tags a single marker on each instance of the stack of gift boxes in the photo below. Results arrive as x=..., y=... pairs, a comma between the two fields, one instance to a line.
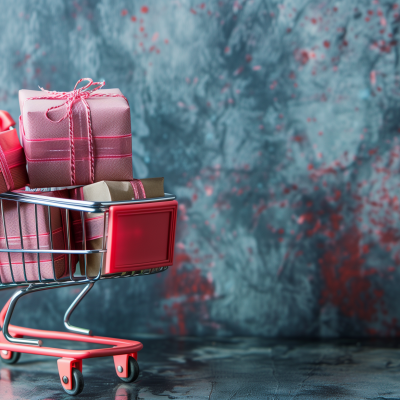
x=79, y=139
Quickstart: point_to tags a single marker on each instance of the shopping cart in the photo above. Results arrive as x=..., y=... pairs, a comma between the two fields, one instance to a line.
x=150, y=223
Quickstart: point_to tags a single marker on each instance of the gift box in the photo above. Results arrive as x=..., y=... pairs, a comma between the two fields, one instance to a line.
x=94, y=223
x=30, y=241
x=12, y=159
x=76, y=138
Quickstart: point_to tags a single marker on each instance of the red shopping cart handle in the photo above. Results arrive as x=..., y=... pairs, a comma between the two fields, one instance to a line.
x=6, y=121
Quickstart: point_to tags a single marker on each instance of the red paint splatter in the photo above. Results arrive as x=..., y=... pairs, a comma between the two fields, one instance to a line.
x=307, y=217
x=258, y=211
x=190, y=284
x=144, y=9
x=193, y=11
x=133, y=18
x=124, y=12
x=208, y=190
x=315, y=229
x=327, y=44
x=302, y=57
x=389, y=236
x=347, y=284
x=336, y=220
x=238, y=71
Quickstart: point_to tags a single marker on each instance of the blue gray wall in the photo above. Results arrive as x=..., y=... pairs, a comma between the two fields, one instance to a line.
x=274, y=122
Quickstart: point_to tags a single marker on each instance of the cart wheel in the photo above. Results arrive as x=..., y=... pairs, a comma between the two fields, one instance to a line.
x=13, y=359
x=133, y=371
x=78, y=384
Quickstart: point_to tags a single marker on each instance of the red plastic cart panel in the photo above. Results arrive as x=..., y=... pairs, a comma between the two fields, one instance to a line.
x=141, y=236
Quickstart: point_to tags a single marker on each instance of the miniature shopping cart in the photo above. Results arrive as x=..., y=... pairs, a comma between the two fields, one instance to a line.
x=138, y=239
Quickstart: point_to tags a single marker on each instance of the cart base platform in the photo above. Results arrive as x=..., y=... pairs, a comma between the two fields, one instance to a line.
x=123, y=351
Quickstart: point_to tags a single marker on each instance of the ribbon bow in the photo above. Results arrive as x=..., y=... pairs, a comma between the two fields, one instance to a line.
x=80, y=94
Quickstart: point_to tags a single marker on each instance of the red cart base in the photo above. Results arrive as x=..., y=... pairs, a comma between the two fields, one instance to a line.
x=70, y=363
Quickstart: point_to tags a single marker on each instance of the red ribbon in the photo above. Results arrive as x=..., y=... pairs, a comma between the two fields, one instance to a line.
x=138, y=189
x=80, y=94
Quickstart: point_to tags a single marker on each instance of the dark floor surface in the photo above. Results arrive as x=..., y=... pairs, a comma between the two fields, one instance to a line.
x=240, y=368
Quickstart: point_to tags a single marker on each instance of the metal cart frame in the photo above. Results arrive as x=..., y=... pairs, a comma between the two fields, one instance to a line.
x=13, y=339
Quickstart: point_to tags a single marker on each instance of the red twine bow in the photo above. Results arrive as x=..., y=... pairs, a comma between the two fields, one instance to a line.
x=76, y=95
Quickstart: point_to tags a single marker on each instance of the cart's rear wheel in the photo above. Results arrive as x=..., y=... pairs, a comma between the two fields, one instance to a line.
x=78, y=384
x=133, y=371
x=13, y=359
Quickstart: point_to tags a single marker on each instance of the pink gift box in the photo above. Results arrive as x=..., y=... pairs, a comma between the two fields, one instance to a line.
x=29, y=237
x=50, y=152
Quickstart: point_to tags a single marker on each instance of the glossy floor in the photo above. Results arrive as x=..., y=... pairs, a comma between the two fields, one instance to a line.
x=236, y=368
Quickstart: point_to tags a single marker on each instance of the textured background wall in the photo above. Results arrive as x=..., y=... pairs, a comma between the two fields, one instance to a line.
x=276, y=124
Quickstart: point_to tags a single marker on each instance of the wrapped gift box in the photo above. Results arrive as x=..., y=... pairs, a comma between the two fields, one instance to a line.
x=56, y=157
x=61, y=266
x=12, y=159
x=94, y=223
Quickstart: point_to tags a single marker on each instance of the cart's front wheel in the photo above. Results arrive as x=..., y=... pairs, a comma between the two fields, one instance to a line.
x=133, y=371
x=78, y=383
x=10, y=359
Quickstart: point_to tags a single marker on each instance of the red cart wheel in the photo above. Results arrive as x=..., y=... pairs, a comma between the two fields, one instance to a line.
x=9, y=357
x=133, y=371
x=78, y=383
